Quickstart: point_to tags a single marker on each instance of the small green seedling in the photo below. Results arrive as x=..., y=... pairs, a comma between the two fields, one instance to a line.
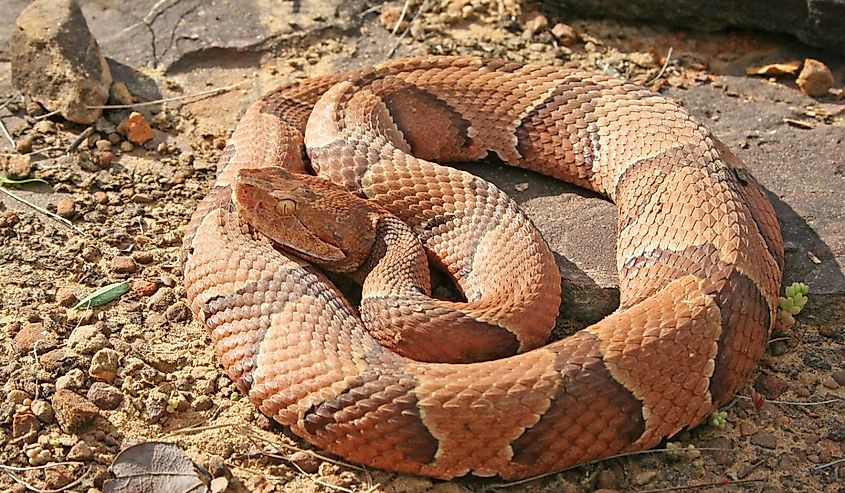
x=793, y=302
x=4, y=180
x=719, y=419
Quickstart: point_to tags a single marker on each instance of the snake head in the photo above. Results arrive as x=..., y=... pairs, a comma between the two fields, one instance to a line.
x=307, y=216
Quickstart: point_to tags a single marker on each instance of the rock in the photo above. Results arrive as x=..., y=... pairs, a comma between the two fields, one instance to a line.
x=15, y=166
x=155, y=407
x=44, y=127
x=771, y=386
x=74, y=413
x=56, y=61
x=25, y=424
x=390, y=16
x=202, y=403
x=80, y=451
x=143, y=257
x=162, y=299
x=122, y=264
x=17, y=396
x=306, y=461
x=59, y=360
x=565, y=34
x=178, y=312
x=104, y=365
x=66, y=298
x=87, y=339
x=105, y=396
x=66, y=208
x=33, y=335
x=815, y=78
x=74, y=379
x=24, y=144
x=144, y=288
x=120, y=94
x=764, y=439
x=536, y=23
x=135, y=128
x=839, y=377
x=43, y=411
x=816, y=22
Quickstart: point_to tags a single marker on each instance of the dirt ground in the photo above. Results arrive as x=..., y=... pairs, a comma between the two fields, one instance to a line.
x=169, y=386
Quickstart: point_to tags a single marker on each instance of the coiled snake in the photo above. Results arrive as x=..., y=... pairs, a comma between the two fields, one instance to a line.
x=699, y=254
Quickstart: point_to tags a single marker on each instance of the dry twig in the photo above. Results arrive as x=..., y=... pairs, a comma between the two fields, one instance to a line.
x=209, y=92
x=43, y=211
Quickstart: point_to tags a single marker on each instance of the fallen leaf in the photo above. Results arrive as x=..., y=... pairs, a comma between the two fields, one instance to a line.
x=103, y=295
x=805, y=124
x=151, y=467
x=775, y=68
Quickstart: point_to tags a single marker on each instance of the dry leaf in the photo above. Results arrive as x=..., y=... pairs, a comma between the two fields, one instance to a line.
x=156, y=466
x=775, y=68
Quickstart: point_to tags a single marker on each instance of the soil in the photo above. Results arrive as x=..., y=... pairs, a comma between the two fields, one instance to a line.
x=169, y=386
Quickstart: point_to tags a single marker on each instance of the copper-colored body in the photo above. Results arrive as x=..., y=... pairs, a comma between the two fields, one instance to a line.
x=699, y=253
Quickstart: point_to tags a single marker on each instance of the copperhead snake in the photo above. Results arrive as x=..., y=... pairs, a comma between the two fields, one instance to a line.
x=699, y=255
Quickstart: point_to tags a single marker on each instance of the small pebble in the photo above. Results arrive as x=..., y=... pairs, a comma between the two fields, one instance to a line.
x=17, y=396
x=643, y=478
x=103, y=145
x=74, y=413
x=119, y=93
x=66, y=208
x=565, y=34
x=43, y=411
x=25, y=424
x=66, y=298
x=126, y=146
x=815, y=78
x=122, y=264
x=839, y=377
x=87, y=339
x=178, y=312
x=105, y=396
x=142, y=198
x=143, y=287
x=24, y=145
x=104, y=158
x=764, y=439
x=202, y=403
x=136, y=128
x=143, y=257
x=15, y=166
x=80, y=452
x=536, y=23
x=44, y=127
x=73, y=379
x=104, y=365
x=306, y=461
x=101, y=197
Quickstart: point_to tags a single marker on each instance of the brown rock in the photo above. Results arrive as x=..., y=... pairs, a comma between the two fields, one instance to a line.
x=815, y=78
x=771, y=386
x=104, y=158
x=66, y=298
x=136, y=128
x=80, y=451
x=765, y=439
x=15, y=166
x=43, y=411
x=73, y=379
x=24, y=144
x=104, y=365
x=178, y=312
x=101, y=197
x=536, y=22
x=33, y=334
x=73, y=412
x=143, y=287
x=105, y=396
x=9, y=219
x=87, y=339
x=839, y=377
x=643, y=478
x=565, y=34
x=57, y=62
x=25, y=424
x=390, y=16
x=122, y=264
x=306, y=461
x=66, y=208
x=143, y=257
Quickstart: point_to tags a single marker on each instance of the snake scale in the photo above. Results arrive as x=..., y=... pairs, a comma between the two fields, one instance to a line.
x=699, y=254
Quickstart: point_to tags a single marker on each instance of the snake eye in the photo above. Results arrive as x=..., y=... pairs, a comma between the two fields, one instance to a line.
x=285, y=207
